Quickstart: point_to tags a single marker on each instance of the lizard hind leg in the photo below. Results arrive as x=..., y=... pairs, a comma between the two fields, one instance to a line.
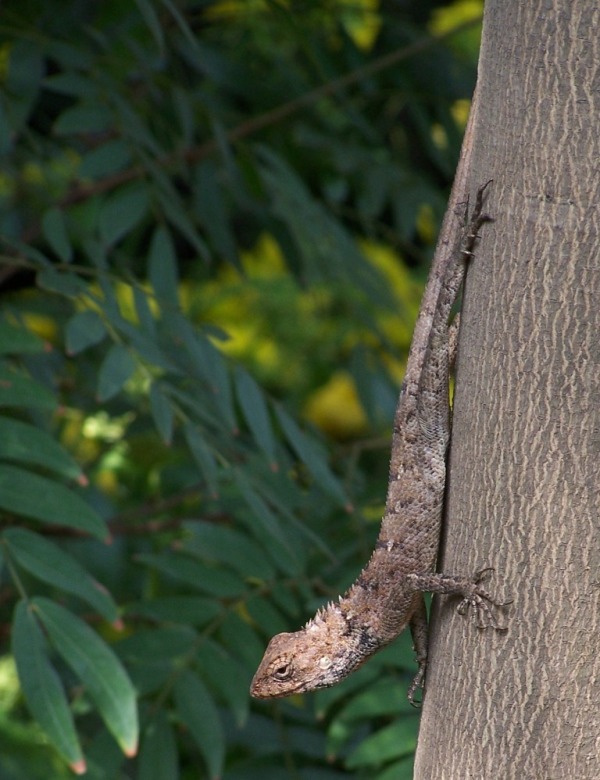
x=419, y=632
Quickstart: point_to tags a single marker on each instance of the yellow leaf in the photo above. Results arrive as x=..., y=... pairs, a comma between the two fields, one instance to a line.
x=336, y=408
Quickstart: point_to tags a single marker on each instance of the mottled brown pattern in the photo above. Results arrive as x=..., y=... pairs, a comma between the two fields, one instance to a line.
x=388, y=594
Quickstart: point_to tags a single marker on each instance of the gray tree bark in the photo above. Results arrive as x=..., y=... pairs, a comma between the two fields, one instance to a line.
x=524, y=491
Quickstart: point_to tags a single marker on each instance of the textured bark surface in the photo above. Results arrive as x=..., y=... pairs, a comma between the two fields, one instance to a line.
x=524, y=492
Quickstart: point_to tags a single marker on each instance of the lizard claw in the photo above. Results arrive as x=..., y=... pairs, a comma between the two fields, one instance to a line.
x=478, y=598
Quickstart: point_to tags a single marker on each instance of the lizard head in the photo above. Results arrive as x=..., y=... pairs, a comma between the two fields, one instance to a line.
x=321, y=654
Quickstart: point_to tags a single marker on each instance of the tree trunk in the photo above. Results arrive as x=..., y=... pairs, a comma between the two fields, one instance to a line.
x=524, y=491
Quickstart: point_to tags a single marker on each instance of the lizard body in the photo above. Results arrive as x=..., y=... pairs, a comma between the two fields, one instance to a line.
x=388, y=594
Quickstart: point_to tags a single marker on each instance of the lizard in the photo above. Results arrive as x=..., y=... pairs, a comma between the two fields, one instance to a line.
x=388, y=593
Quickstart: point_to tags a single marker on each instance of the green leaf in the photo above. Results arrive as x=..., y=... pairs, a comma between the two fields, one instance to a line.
x=194, y=610
x=221, y=382
x=144, y=312
x=97, y=667
x=266, y=616
x=182, y=23
x=399, y=770
x=162, y=413
x=328, y=251
x=147, y=646
x=198, y=712
x=376, y=701
x=83, y=118
x=110, y=305
x=256, y=413
x=34, y=496
x=25, y=443
x=22, y=80
x=17, y=340
x=209, y=365
x=391, y=742
x=262, y=515
x=154, y=25
x=55, y=233
x=153, y=655
x=65, y=283
x=162, y=267
x=117, y=367
x=158, y=759
x=105, y=159
x=241, y=639
x=145, y=345
x=47, y=562
x=208, y=579
x=83, y=330
x=73, y=84
x=310, y=454
x=43, y=691
x=212, y=210
x=151, y=678
x=184, y=109
x=203, y=456
x=226, y=545
x=122, y=212
x=17, y=390
x=144, y=665
x=6, y=132
x=69, y=55
x=199, y=406
x=280, y=502
x=135, y=127
x=286, y=599
x=226, y=676
x=175, y=211
x=104, y=758
x=266, y=526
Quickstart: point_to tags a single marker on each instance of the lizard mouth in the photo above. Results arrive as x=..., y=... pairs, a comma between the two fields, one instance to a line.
x=259, y=692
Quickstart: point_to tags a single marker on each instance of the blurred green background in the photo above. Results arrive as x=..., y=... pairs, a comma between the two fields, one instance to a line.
x=216, y=219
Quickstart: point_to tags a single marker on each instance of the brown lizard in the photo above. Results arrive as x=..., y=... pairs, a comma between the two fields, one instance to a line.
x=388, y=594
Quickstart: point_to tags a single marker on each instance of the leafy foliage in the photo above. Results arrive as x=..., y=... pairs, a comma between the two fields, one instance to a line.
x=205, y=313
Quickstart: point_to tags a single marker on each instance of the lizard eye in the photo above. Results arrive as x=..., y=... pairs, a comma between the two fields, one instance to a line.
x=283, y=672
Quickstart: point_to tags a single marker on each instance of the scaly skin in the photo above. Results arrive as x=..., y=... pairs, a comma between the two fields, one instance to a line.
x=388, y=594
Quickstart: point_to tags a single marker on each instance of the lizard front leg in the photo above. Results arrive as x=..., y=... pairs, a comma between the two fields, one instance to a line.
x=470, y=589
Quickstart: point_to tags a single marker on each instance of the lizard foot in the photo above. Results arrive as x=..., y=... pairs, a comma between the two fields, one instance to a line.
x=478, y=598
x=418, y=683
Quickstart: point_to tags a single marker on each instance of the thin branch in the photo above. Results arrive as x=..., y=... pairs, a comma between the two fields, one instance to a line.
x=82, y=191
x=268, y=118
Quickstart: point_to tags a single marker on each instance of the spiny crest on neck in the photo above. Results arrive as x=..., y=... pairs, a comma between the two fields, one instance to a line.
x=325, y=614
